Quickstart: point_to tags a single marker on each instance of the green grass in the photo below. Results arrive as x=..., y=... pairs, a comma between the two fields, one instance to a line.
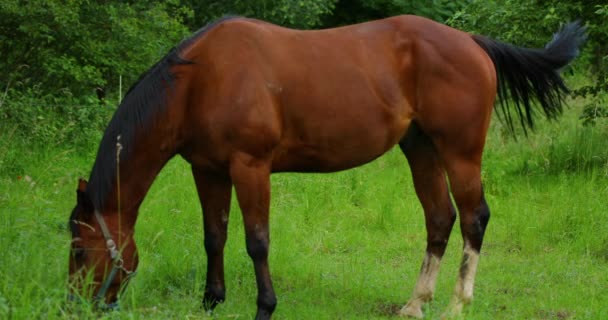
x=344, y=246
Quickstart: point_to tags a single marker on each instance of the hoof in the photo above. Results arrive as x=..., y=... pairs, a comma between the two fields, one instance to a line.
x=211, y=301
x=263, y=315
x=411, y=310
x=411, y=313
x=454, y=311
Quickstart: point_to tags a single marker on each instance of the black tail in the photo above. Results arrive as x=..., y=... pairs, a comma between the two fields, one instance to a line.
x=528, y=75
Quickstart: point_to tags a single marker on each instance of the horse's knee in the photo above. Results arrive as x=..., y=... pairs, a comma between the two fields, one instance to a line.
x=214, y=243
x=257, y=245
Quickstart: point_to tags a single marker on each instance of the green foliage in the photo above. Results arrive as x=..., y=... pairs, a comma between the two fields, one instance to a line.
x=353, y=11
x=58, y=54
x=81, y=45
x=522, y=22
x=41, y=118
x=303, y=14
x=292, y=13
x=564, y=146
x=320, y=13
x=595, y=110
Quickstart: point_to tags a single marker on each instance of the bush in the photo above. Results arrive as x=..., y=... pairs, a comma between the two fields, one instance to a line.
x=83, y=46
x=40, y=118
x=596, y=110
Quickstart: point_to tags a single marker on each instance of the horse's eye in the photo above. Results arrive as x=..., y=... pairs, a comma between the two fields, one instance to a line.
x=78, y=253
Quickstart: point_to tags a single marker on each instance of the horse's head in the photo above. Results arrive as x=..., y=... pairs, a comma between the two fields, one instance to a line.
x=103, y=257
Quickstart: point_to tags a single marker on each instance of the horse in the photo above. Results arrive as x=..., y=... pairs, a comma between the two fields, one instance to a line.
x=242, y=99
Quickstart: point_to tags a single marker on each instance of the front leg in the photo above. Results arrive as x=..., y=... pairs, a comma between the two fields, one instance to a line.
x=215, y=192
x=251, y=177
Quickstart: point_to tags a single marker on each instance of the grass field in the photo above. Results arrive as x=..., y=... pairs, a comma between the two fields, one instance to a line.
x=344, y=246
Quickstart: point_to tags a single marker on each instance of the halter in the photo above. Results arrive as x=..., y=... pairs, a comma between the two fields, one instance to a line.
x=117, y=263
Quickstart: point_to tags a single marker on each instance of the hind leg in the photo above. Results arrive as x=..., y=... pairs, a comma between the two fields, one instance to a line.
x=464, y=172
x=432, y=190
x=214, y=192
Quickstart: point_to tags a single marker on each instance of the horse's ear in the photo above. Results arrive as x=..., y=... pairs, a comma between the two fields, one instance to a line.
x=82, y=185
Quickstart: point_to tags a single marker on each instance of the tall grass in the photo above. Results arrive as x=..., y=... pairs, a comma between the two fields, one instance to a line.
x=343, y=246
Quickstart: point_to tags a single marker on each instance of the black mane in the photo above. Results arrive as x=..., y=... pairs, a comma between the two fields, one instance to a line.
x=145, y=100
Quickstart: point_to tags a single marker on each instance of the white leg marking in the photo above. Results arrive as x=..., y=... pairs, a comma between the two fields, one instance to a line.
x=425, y=287
x=463, y=292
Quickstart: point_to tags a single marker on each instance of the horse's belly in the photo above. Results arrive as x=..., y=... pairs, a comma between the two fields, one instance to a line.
x=345, y=149
x=310, y=159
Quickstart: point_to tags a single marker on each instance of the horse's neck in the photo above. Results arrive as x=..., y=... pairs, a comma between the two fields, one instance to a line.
x=138, y=174
x=148, y=145
x=137, y=171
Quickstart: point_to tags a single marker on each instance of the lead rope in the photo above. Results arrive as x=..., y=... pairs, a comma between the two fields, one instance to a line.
x=119, y=263
x=118, y=150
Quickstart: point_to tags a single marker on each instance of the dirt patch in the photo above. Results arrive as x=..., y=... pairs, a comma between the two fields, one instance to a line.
x=387, y=309
x=555, y=314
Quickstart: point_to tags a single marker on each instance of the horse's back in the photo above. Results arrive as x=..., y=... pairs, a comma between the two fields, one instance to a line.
x=325, y=100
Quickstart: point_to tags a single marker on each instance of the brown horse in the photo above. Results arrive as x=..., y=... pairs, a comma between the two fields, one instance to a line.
x=243, y=98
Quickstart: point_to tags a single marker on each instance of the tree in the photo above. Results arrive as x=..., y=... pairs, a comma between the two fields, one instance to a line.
x=58, y=56
x=77, y=46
